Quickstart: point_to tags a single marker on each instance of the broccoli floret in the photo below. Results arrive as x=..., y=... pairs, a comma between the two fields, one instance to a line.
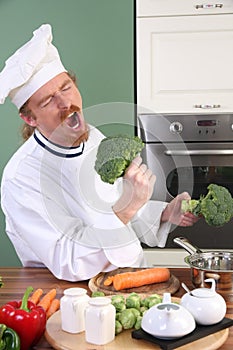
x=114, y=155
x=216, y=207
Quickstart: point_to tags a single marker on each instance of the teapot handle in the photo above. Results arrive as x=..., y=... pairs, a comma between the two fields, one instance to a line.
x=213, y=284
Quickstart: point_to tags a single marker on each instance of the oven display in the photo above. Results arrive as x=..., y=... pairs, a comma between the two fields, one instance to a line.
x=207, y=123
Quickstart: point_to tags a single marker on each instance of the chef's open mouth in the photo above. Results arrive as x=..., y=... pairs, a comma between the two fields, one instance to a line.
x=72, y=120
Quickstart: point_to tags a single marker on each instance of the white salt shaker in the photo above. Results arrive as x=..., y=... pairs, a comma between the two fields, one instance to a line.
x=72, y=307
x=100, y=321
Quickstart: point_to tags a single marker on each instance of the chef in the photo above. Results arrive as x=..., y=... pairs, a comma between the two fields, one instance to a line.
x=59, y=214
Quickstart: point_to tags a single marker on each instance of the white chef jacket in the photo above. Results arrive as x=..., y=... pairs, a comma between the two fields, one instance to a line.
x=59, y=212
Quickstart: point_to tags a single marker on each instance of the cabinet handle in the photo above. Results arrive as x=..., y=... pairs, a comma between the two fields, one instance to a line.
x=208, y=6
x=207, y=106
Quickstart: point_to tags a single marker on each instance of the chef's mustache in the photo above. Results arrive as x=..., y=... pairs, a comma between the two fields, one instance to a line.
x=72, y=109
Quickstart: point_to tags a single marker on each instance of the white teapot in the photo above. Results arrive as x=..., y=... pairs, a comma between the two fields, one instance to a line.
x=205, y=304
x=168, y=320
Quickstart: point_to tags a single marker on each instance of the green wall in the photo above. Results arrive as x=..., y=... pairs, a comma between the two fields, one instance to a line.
x=95, y=41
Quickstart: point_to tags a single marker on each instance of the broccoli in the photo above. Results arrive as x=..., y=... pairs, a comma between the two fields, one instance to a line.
x=216, y=207
x=114, y=155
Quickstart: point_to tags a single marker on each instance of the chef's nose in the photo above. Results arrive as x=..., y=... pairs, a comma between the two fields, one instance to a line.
x=62, y=101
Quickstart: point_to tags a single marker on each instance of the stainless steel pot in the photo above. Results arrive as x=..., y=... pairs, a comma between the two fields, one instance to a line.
x=211, y=264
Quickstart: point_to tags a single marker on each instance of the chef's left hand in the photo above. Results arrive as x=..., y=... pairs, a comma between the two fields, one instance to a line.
x=173, y=214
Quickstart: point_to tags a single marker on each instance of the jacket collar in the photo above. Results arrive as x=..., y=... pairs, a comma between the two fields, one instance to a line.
x=60, y=151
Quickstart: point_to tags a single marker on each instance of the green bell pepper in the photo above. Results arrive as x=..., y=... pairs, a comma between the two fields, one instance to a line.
x=9, y=339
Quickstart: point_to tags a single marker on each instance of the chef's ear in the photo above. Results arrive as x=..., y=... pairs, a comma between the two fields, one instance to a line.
x=28, y=119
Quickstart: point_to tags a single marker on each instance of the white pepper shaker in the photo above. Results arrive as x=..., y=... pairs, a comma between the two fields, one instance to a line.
x=100, y=321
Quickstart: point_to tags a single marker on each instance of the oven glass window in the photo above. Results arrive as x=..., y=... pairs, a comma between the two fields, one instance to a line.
x=203, y=176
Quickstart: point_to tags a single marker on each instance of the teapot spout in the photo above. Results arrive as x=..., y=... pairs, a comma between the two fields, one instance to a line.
x=167, y=298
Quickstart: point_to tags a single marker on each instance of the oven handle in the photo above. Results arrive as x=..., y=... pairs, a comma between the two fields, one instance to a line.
x=201, y=152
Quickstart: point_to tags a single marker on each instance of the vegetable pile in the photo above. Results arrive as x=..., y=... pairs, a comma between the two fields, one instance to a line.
x=115, y=154
x=130, y=309
x=216, y=207
x=25, y=318
x=22, y=323
x=139, y=278
x=48, y=301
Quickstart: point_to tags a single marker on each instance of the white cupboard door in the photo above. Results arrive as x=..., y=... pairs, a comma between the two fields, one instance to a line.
x=185, y=63
x=148, y=8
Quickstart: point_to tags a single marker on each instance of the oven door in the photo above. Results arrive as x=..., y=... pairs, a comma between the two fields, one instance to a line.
x=192, y=167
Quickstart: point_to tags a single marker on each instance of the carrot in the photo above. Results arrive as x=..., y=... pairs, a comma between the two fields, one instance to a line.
x=47, y=299
x=54, y=306
x=108, y=281
x=35, y=297
x=140, y=278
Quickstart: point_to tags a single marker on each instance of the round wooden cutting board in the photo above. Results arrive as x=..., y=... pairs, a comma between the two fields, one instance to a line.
x=97, y=284
x=61, y=340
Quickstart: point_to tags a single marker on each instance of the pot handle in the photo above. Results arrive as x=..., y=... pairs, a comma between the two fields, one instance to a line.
x=184, y=243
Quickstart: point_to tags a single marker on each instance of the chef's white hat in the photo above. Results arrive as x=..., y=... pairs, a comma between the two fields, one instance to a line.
x=30, y=67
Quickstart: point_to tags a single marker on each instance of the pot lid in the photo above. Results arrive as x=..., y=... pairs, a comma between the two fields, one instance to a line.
x=203, y=293
x=206, y=292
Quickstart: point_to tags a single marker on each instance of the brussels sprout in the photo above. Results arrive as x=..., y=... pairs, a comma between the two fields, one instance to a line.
x=136, y=312
x=97, y=293
x=143, y=309
x=118, y=327
x=138, y=322
x=117, y=316
x=133, y=300
x=119, y=302
x=151, y=300
x=127, y=318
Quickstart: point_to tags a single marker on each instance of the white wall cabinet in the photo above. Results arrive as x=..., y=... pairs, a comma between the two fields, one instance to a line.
x=184, y=56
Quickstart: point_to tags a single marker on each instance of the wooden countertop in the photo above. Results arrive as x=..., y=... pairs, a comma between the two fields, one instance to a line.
x=16, y=280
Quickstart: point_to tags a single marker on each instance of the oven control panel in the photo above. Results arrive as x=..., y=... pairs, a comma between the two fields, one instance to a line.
x=186, y=127
x=207, y=126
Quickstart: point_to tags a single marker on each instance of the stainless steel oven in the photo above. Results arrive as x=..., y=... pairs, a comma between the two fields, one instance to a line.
x=187, y=152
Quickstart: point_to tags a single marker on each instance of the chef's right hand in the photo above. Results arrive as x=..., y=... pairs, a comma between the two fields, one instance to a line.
x=138, y=185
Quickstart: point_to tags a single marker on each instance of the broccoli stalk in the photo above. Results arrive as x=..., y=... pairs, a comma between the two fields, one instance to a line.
x=216, y=207
x=114, y=155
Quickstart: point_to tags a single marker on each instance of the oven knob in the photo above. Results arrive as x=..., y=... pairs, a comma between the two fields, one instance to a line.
x=176, y=127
